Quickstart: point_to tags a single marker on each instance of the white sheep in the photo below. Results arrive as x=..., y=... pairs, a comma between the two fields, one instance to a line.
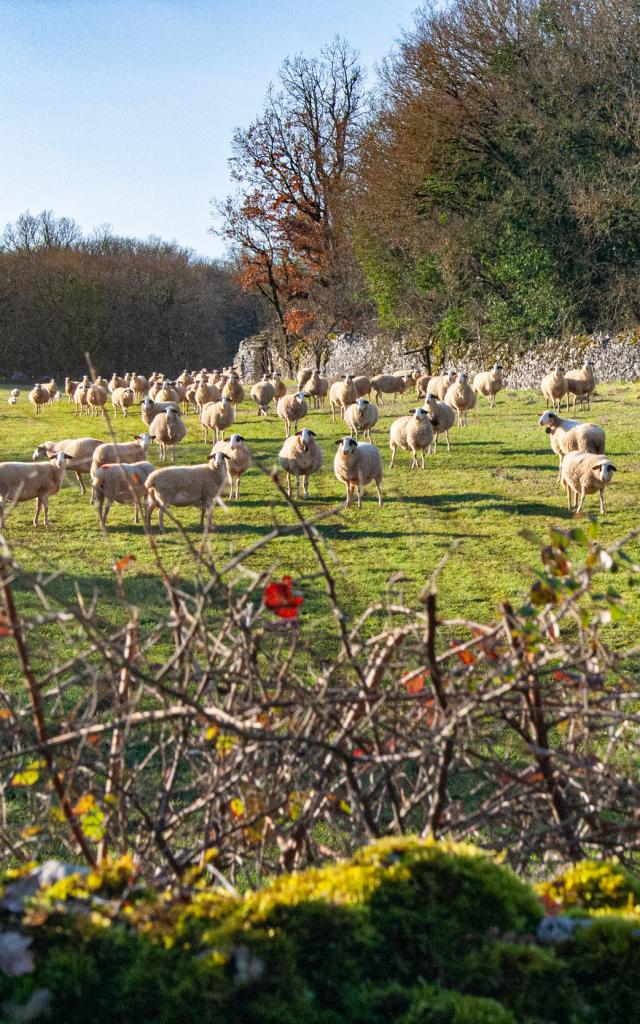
x=217, y=416
x=461, y=397
x=318, y=388
x=389, y=384
x=167, y=430
x=150, y=408
x=123, y=483
x=263, y=393
x=291, y=409
x=79, y=449
x=422, y=384
x=554, y=387
x=302, y=376
x=581, y=384
x=279, y=385
x=22, y=481
x=341, y=394
x=300, y=456
x=582, y=474
x=233, y=390
x=362, y=385
x=413, y=434
x=185, y=486
x=488, y=383
x=572, y=436
x=440, y=384
x=441, y=417
x=361, y=416
x=39, y=396
x=238, y=460
x=121, y=451
x=96, y=399
x=356, y=465
x=122, y=399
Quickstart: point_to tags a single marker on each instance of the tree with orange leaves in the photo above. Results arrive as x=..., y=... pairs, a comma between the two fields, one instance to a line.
x=294, y=168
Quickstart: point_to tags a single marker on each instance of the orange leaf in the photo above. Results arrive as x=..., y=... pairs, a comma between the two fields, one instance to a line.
x=4, y=713
x=123, y=562
x=416, y=684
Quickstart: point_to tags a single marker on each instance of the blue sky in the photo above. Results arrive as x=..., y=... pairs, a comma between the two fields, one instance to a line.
x=121, y=112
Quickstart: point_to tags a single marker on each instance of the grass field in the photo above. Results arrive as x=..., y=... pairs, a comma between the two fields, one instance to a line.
x=498, y=480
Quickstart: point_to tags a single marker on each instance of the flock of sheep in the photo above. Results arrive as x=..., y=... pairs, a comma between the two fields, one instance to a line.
x=119, y=471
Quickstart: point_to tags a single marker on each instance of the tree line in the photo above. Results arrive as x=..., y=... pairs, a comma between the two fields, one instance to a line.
x=131, y=304
x=485, y=186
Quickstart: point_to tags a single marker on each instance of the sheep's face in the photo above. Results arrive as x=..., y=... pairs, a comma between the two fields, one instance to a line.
x=548, y=420
x=144, y=440
x=420, y=413
x=39, y=453
x=217, y=460
x=463, y=378
x=430, y=399
x=147, y=405
x=60, y=459
x=362, y=404
x=347, y=445
x=451, y=376
x=605, y=471
x=301, y=395
x=305, y=438
x=348, y=378
x=236, y=439
x=559, y=371
x=497, y=368
x=225, y=401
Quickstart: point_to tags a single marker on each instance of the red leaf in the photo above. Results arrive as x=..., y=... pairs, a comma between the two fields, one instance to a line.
x=281, y=599
x=123, y=562
x=416, y=684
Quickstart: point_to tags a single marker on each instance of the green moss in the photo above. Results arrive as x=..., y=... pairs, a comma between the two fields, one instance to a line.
x=438, y=1006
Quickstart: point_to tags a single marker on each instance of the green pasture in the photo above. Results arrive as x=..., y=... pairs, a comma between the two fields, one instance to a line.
x=499, y=479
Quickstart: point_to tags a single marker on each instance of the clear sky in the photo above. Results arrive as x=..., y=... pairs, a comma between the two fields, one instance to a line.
x=121, y=112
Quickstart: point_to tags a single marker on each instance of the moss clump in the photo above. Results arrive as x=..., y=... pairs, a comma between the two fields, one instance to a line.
x=593, y=885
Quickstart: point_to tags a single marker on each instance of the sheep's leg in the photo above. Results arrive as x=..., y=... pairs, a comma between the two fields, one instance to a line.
x=37, y=515
x=423, y=466
x=349, y=494
x=107, y=505
x=288, y=483
x=581, y=502
x=297, y=487
x=360, y=488
x=160, y=519
x=209, y=513
x=393, y=457
x=602, y=500
x=376, y=482
x=414, y=460
x=79, y=479
x=333, y=413
x=237, y=487
x=306, y=485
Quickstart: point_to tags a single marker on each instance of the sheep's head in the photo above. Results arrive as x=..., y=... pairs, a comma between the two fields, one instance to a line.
x=236, y=439
x=451, y=376
x=39, y=453
x=347, y=445
x=362, y=404
x=305, y=438
x=301, y=395
x=218, y=460
x=549, y=420
x=144, y=440
x=419, y=413
x=59, y=458
x=464, y=377
x=605, y=471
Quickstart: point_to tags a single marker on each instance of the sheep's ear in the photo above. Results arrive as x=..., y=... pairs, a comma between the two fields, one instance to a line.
x=339, y=441
x=298, y=433
x=69, y=458
x=137, y=437
x=614, y=468
x=312, y=432
x=51, y=455
x=240, y=437
x=547, y=430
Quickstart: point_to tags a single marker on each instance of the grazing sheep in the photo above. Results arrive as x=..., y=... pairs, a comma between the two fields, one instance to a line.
x=279, y=385
x=233, y=390
x=123, y=483
x=184, y=486
x=582, y=474
x=70, y=388
x=116, y=382
x=40, y=397
x=488, y=383
x=413, y=434
x=139, y=385
x=22, y=481
x=362, y=385
x=291, y=409
x=185, y=379
x=356, y=465
x=167, y=430
x=79, y=449
x=149, y=409
x=554, y=387
x=121, y=451
x=461, y=397
x=169, y=393
x=440, y=384
x=300, y=456
x=572, y=436
x=581, y=384
x=389, y=384
x=303, y=375
x=318, y=388
x=122, y=399
x=341, y=394
x=361, y=416
x=263, y=393
x=52, y=388
x=14, y=396
x=217, y=416
x=422, y=384
x=238, y=460
x=96, y=399
x=81, y=397
x=441, y=417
